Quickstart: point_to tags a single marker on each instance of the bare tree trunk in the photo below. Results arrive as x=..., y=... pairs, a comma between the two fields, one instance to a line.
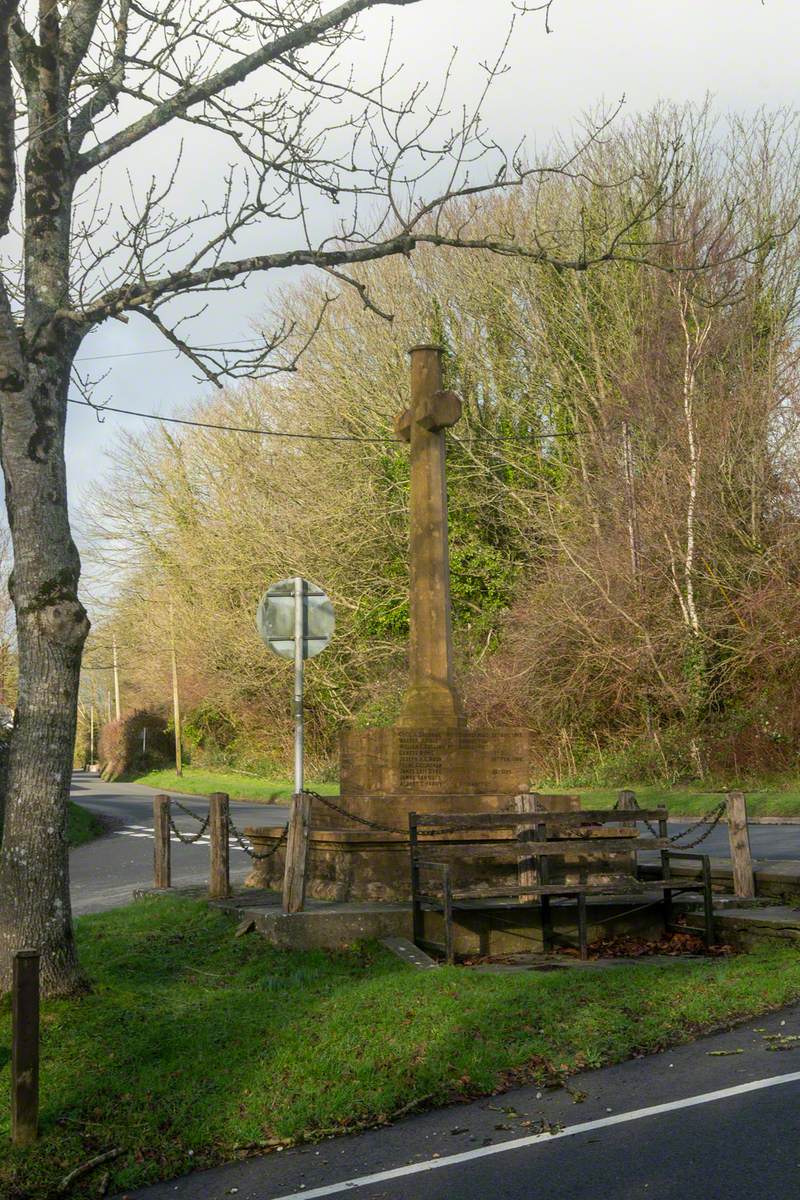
x=51, y=629
x=51, y=622
x=696, y=666
x=630, y=505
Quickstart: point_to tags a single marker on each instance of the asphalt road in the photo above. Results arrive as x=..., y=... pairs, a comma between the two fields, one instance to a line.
x=105, y=872
x=715, y=1120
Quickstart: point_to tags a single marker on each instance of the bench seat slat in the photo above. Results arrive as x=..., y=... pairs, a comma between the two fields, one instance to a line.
x=630, y=887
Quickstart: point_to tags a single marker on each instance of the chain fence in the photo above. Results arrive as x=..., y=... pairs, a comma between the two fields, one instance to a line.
x=256, y=856
x=343, y=812
x=188, y=839
x=236, y=834
x=708, y=823
x=712, y=819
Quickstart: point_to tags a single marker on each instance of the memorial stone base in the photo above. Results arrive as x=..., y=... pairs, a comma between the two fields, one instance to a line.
x=385, y=775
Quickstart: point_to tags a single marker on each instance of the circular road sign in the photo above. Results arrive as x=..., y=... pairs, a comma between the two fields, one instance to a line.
x=275, y=618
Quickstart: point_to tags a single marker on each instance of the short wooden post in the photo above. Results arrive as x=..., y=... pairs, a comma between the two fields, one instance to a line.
x=626, y=800
x=294, y=880
x=744, y=883
x=25, y=1048
x=161, y=845
x=527, y=875
x=219, y=886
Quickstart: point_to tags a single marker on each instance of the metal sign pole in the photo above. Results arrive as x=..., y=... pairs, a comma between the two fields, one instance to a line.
x=298, y=685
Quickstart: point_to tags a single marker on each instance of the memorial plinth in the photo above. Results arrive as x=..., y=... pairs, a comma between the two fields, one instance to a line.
x=429, y=761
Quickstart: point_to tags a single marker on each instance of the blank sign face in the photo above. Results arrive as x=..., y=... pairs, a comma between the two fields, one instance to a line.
x=275, y=619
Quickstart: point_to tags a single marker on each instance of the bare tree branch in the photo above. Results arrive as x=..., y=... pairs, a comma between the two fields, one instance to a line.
x=308, y=34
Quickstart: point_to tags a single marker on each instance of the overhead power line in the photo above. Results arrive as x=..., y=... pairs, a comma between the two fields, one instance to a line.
x=278, y=433
x=282, y=433
x=237, y=345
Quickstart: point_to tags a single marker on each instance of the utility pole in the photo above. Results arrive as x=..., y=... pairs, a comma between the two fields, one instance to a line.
x=91, y=734
x=116, y=676
x=176, y=699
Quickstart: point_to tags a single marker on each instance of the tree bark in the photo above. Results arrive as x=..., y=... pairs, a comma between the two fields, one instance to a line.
x=51, y=628
x=51, y=622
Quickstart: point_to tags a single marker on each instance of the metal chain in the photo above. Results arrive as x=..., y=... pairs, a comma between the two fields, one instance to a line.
x=243, y=845
x=712, y=818
x=195, y=816
x=188, y=839
x=326, y=800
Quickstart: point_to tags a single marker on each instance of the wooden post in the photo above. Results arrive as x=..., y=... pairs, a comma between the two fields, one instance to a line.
x=294, y=880
x=219, y=885
x=176, y=695
x=161, y=845
x=527, y=875
x=626, y=800
x=744, y=883
x=25, y=1048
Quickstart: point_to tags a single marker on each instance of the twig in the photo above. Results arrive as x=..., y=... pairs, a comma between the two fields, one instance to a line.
x=401, y=1112
x=86, y=1167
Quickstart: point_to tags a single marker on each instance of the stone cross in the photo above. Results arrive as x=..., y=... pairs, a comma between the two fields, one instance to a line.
x=431, y=701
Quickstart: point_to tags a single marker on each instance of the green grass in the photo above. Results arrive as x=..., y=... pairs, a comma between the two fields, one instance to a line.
x=195, y=782
x=684, y=802
x=775, y=801
x=193, y=1044
x=82, y=826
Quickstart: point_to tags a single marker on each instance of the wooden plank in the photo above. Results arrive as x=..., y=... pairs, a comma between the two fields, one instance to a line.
x=436, y=852
x=162, y=863
x=625, y=887
x=594, y=816
x=219, y=887
x=409, y=953
x=294, y=880
x=744, y=883
x=25, y=1048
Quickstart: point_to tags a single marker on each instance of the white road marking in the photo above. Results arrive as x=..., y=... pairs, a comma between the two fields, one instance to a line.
x=435, y=1164
x=141, y=831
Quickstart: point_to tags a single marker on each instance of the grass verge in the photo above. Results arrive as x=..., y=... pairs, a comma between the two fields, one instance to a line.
x=776, y=801
x=82, y=826
x=683, y=802
x=195, y=782
x=194, y=1045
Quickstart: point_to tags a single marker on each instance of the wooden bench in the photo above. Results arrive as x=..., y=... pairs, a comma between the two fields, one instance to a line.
x=440, y=842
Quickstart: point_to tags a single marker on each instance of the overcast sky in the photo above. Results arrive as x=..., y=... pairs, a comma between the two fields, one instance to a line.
x=744, y=52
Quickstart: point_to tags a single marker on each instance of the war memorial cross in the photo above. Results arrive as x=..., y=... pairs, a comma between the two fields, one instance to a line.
x=431, y=699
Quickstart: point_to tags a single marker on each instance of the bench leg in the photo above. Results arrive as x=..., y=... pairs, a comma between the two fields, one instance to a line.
x=547, y=928
x=583, y=939
x=668, y=911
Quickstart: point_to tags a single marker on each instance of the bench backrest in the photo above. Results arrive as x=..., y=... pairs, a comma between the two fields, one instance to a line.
x=589, y=846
